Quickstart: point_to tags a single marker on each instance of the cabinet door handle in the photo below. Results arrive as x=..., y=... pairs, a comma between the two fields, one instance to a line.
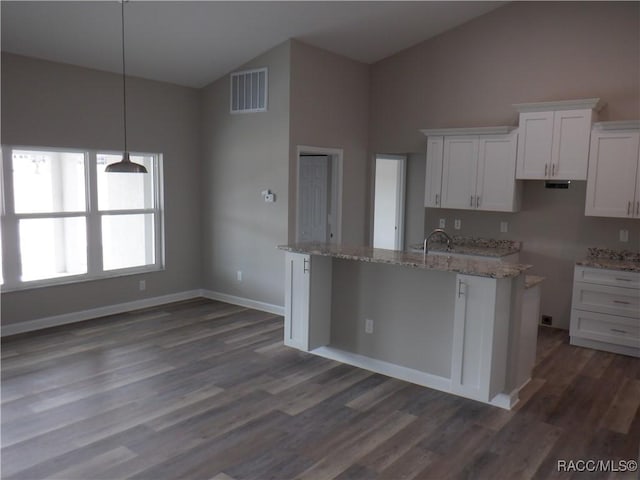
x=624, y=279
x=545, y=169
x=617, y=330
x=478, y=201
x=628, y=208
x=471, y=201
x=305, y=266
x=553, y=169
x=437, y=195
x=638, y=207
x=621, y=302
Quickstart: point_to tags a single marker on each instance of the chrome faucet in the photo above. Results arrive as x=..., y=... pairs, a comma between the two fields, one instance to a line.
x=437, y=231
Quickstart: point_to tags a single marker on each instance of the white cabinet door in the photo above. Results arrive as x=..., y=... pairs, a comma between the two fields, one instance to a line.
x=297, y=287
x=496, y=185
x=433, y=177
x=613, y=174
x=459, y=172
x=570, y=151
x=307, y=316
x=480, y=336
x=535, y=145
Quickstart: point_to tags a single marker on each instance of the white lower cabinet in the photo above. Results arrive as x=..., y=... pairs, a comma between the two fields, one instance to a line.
x=480, y=337
x=605, y=311
x=307, y=301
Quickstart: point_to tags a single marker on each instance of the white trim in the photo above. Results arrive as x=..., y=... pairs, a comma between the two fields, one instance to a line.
x=55, y=320
x=500, y=130
x=608, y=347
x=243, y=302
x=385, y=368
x=584, y=103
x=336, y=155
x=617, y=125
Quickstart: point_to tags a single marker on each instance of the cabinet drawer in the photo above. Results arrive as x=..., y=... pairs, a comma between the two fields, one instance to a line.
x=606, y=299
x=607, y=277
x=605, y=328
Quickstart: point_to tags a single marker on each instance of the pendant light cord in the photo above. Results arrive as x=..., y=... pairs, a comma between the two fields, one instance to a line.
x=124, y=84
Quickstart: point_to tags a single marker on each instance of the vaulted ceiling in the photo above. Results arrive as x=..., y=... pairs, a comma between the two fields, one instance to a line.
x=193, y=43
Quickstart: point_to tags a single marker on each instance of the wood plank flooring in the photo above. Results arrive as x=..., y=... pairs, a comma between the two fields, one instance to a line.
x=206, y=390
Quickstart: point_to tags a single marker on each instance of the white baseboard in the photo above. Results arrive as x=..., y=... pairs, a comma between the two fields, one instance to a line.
x=243, y=302
x=55, y=320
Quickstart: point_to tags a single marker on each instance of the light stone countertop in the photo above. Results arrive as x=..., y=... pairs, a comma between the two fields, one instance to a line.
x=439, y=262
x=622, y=260
x=482, y=247
x=532, y=280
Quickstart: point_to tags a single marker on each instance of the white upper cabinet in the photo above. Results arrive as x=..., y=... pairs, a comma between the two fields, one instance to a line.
x=472, y=169
x=554, y=139
x=459, y=171
x=433, y=178
x=613, y=186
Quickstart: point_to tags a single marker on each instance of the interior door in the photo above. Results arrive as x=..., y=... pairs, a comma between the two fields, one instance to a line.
x=388, y=221
x=314, y=198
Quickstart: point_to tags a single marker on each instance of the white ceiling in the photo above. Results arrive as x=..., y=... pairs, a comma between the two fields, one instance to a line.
x=192, y=43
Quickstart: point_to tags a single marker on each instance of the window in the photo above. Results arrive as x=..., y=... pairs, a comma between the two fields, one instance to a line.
x=65, y=220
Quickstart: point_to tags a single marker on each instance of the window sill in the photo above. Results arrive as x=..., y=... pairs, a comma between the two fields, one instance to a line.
x=75, y=279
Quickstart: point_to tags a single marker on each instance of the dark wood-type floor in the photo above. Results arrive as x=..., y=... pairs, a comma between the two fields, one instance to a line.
x=206, y=390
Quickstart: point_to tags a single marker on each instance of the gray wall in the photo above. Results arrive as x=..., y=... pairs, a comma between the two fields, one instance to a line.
x=244, y=154
x=330, y=108
x=470, y=76
x=56, y=105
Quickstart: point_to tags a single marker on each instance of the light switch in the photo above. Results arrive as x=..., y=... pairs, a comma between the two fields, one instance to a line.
x=443, y=222
x=504, y=227
x=624, y=235
x=457, y=224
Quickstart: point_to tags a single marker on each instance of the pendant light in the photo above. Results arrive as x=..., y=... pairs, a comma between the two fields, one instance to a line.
x=125, y=165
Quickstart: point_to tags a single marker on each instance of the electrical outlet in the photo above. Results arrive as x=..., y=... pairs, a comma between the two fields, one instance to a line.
x=442, y=223
x=239, y=276
x=142, y=285
x=504, y=227
x=624, y=235
x=547, y=320
x=368, y=326
x=457, y=224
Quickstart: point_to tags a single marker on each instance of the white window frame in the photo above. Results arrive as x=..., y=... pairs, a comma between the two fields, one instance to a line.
x=11, y=260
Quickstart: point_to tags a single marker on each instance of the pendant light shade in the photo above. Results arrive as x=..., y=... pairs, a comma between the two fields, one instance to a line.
x=125, y=165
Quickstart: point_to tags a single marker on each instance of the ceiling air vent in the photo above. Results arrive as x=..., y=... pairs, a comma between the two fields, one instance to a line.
x=249, y=91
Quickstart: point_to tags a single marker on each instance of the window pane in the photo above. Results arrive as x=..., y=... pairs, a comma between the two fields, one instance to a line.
x=53, y=247
x=125, y=191
x=48, y=181
x=127, y=241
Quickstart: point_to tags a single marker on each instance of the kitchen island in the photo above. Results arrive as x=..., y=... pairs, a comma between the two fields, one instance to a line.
x=445, y=322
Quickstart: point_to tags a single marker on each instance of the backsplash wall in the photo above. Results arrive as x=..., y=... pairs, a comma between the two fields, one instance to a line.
x=554, y=232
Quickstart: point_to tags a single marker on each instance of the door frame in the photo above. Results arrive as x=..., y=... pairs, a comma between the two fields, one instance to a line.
x=401, y=187
x=336, y=157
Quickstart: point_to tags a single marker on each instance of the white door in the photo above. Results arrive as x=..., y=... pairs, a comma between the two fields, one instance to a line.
x=433, y=177
x=313, y=201
x=571, y=131
x=459, y=169
x=534, y=146
x=613, y=166
x=495, y=187
x=388, y=221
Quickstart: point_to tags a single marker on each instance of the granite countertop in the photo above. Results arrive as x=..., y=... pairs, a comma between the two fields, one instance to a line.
x=444, y=263
x=623, y=260
x=532, y=280
x=483, y=247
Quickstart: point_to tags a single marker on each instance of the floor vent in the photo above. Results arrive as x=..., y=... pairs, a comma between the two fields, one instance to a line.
x=249, y=91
